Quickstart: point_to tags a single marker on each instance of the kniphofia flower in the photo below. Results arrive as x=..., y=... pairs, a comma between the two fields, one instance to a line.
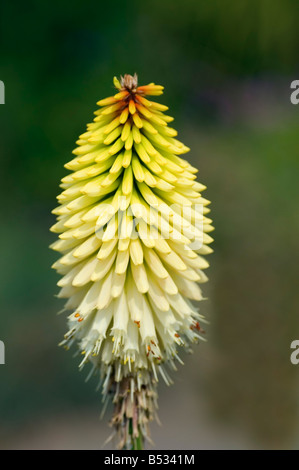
x=133, y=232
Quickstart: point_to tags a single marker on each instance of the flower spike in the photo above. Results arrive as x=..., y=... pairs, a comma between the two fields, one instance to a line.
x=133, y=231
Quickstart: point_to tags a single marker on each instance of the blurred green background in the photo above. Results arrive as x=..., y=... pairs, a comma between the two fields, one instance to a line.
x=226, y=67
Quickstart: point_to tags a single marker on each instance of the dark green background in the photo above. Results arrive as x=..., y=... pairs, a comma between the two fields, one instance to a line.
x=226, y=67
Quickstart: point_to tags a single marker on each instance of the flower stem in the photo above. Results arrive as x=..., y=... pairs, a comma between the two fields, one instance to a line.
x=137, y=442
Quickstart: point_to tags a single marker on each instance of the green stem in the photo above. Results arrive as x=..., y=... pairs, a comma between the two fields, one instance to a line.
x=137, y=443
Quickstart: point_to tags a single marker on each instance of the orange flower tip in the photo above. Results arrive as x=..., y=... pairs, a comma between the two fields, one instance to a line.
x=122, y=95
x=124, y=115
x=107, y=101
x=144, y=101
x=177, y=335
x=154, y=90
x=150, y=87
x=159, y=107
x=111, y=109
x=132, y=107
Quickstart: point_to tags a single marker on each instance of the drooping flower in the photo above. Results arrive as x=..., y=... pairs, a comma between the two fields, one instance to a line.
x=133, y=229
